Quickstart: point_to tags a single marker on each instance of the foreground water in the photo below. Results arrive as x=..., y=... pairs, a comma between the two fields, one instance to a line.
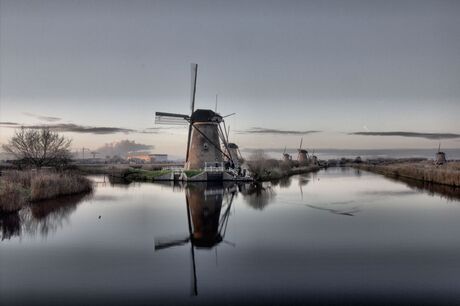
x=340, y=236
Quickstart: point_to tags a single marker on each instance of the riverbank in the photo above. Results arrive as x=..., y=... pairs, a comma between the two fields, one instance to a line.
x=18, y=188
x=425, y=171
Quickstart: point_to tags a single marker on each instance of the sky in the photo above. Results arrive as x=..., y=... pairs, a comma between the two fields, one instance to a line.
x=340, y=74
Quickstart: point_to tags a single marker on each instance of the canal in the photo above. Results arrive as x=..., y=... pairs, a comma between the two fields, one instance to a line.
x=339, y=236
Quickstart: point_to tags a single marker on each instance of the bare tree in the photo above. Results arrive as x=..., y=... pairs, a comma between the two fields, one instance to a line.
x=39, y=147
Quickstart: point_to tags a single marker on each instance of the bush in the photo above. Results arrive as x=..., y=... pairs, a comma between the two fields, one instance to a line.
x=12, y=196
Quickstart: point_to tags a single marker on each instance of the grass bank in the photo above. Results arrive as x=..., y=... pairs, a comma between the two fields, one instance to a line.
x=17, y=188
x=447, y=174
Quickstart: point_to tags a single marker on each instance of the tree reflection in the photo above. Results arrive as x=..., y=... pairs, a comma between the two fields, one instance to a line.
x=258, y=195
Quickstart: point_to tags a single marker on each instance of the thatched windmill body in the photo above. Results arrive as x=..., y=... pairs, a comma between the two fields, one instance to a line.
x=286, y=156
x=302, y=155
x=440, y=157
x=205, y=133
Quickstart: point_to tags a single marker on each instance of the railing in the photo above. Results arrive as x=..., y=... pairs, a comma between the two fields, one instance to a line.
x=173, y=169
x=214, y=167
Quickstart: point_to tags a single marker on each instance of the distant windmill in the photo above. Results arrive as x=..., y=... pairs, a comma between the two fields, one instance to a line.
x=234, y=151
x=204, y=134
x=286, y=157
x=440, y=156
x=302, y=154
x=313, y=158
x=83, y=151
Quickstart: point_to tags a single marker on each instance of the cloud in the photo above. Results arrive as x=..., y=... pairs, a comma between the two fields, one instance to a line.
x=74, y=128
x=123, y=147
x=410, y=134
x=259, y=130
x=8, y=124
x=43, y=118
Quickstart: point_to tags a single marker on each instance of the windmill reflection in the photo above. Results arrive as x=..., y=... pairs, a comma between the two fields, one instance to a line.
x=208, y=208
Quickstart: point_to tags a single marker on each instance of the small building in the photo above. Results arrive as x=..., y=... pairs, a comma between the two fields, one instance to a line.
x=138, y=157
x=158, y=158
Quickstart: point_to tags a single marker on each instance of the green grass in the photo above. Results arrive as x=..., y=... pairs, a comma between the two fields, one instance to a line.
x=144, y=175
x=192, y=173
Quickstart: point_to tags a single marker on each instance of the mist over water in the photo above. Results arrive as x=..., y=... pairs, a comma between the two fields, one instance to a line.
x=339, y=236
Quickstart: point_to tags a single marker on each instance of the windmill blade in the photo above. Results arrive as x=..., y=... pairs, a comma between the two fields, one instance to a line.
x=284, y=152
x=194, y=68
x=171, y=118
x=233, y=244
x=228, y=115
x=301, y=140
x=167, y=242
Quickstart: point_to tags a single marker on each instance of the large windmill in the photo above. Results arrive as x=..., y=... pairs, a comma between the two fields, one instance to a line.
x=205, y=132
x=302, y=156
x=207, y=224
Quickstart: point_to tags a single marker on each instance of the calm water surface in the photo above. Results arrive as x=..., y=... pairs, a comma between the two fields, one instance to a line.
x=336, y=237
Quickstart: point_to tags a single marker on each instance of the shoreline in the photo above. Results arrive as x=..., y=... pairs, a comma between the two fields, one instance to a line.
x=447, y=174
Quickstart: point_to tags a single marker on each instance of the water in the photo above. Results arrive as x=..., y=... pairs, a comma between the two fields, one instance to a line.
x=341, y=237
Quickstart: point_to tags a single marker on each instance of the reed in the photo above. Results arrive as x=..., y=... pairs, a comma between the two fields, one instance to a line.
x=17, y=188
x=447, y=174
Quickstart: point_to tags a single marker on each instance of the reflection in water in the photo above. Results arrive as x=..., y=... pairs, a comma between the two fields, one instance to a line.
x=10, y=225
x=345, y=212
x=258, y=195
x=208, y=210
x=448, y=192
x=43, y=217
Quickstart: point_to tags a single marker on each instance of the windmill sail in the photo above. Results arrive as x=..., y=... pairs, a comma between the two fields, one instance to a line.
x=171, y=118
x=193, y=90
x=194, y=69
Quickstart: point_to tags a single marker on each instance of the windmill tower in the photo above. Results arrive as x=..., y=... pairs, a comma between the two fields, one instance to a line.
x=440, y=157
x=313, y=158
x=204, y=134
x=286, y=156
x=302, y=156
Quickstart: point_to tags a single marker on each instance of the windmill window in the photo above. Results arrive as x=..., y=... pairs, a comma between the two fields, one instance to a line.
x=205, y=146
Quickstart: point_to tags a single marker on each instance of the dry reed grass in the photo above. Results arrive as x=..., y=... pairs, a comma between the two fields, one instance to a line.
x=19, y=187
x=447, y=174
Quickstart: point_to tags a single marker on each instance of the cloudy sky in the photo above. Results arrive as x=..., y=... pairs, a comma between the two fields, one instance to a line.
x=342, y=74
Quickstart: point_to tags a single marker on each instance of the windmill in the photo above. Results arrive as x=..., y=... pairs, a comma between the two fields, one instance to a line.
x=440, y=156
x=302, y=156
x=313, y=158
x=206, y=224
x=234, y=152
x=205, y=132
x=286, y=157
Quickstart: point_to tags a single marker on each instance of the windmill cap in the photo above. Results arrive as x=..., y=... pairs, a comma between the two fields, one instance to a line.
x=302, y=151
x=232, y=145
x=205, y=115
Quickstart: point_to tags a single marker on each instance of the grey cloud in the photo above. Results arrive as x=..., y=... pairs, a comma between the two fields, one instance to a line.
x=259, y=130
x=410, y=134
x=74, y=128
x=43, y=118
x=123, y=147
